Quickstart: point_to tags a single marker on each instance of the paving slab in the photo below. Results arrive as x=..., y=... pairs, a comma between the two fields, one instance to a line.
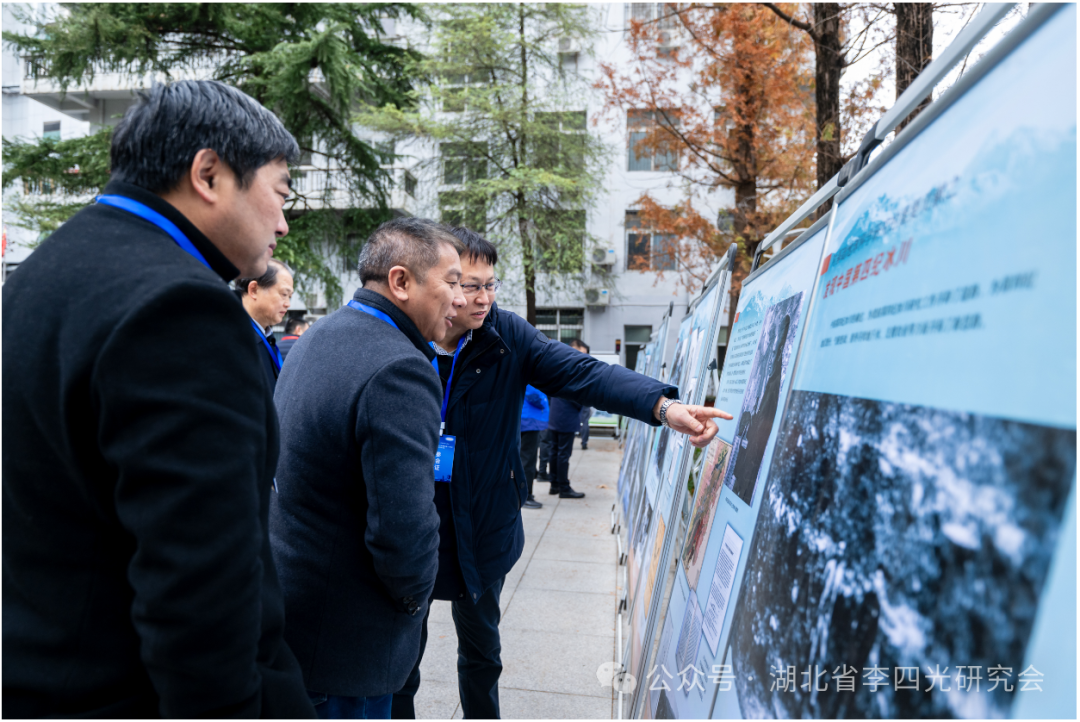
x=602, y=550
x=562, y=576
x=436, y=700
x=568, y=612
x=559, y=607
x=527, y=704
x=545, y=661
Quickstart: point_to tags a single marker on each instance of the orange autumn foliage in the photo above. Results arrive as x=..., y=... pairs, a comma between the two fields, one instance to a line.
x=728, y=89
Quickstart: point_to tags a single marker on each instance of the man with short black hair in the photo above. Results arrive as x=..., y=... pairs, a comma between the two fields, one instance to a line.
x=137, y=467
x=294, y=329
x=353, y=525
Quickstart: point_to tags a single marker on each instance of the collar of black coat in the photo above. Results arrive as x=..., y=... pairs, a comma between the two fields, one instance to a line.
x=486, y=337
x=404, y=323
x=217, y=260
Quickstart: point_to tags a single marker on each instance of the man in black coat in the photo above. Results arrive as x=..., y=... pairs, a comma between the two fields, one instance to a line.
x=563, y=423
x=481, y=536
x=137, y=468
x=267, y=300
x=353, y=525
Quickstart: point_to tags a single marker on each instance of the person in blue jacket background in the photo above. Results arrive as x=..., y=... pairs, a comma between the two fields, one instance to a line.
x=534, y=419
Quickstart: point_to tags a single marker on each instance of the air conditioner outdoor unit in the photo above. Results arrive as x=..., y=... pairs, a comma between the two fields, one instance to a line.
x=597, y=296
x=603, y=256
x=569, y=45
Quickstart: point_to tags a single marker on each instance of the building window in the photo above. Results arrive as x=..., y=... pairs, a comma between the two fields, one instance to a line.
x=410, y=184
x=639, y=124
x=666, y=18
x=725, y=221
x=386, y=150
x=636, y=338
x=52, y=130
x=560, y=140
x=560, y=240
x=458, y=208
x=455, y=86
x=561, y=324
x=647, y=251
x=463, y=162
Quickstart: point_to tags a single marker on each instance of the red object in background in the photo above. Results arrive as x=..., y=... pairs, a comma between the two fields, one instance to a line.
x=3, y=244
x=618, y=345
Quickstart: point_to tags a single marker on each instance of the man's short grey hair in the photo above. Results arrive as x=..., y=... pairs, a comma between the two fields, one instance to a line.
x=406, y=241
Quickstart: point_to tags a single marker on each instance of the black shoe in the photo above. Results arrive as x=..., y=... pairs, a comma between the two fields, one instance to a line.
x=532, y=503
x=584, y=446
x=554, y=490
x=543, y=476
x=569, y=493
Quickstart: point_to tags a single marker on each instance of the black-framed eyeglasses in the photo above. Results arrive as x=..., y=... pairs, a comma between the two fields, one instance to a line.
x=471, y=289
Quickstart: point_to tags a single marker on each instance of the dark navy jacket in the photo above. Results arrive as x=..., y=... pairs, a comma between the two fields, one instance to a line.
x=353, y=526
x=565, y=416
x=483, y=515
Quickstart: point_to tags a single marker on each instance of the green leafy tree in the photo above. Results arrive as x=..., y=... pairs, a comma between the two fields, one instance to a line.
x=515, y=160
x=313, y=64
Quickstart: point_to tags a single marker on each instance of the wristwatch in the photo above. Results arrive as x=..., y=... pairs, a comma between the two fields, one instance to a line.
x=663, y=411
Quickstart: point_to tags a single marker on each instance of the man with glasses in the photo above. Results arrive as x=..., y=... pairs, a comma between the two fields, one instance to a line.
x=485, y=363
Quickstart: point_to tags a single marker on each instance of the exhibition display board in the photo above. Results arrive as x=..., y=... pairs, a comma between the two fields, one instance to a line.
x=769, y=319
x=887, y=526
x=665, y=467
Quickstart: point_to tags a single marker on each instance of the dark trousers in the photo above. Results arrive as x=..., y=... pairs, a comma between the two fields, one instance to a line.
x=546, y=455
x=530, y=442
x=479, y=662
x=563, y=441
x=329, y=706
x=586, y=414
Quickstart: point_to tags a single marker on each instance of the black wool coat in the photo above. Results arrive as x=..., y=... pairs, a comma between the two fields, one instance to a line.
x=137, y=471
x=353, y=525
x=481, y=510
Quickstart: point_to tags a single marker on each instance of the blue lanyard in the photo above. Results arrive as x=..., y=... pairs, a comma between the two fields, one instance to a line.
x=275, y=355
x=450, y=380
x=434, y=362
x=149, y=214
x=371, y=312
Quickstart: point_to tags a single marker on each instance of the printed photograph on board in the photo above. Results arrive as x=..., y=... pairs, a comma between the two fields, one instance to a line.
x=895, y=536
x=761, y=401
x=709, y=483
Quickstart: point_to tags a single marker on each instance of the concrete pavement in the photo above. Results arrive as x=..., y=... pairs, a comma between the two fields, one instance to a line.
x=559, y=607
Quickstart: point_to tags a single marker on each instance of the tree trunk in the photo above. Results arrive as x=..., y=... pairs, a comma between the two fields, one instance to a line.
x=829, y=62
x=527, y=250
x=914, y=48
x=529, y=257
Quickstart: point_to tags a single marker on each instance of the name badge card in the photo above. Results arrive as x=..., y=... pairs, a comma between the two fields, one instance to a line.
x=444, y=458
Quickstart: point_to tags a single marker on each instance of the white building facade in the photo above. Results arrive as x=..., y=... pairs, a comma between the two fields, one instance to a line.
x=614, y=315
